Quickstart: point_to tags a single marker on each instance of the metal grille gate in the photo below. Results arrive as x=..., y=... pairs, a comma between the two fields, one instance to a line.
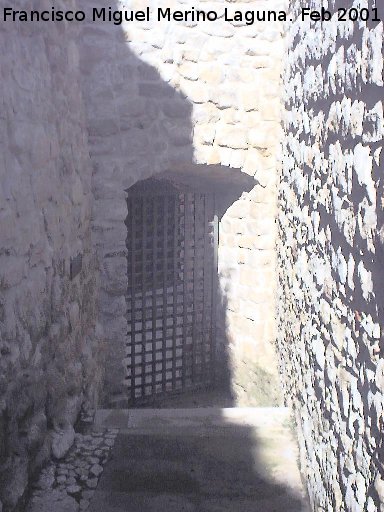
x=172, y=267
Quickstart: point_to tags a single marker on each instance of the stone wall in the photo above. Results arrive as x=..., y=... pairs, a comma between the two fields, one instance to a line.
x=330, y=256
x=47, y=319
x=174, y=96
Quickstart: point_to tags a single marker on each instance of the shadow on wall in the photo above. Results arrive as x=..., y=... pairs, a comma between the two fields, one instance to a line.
x=140, y=126
x=176, y=313
x=334, y=303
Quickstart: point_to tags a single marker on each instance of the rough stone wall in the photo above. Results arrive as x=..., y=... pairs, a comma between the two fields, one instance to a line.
x=47, y=321
x=330, y=256
x=170, y=96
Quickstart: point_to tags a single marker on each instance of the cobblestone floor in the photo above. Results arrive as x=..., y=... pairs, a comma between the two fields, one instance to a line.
x=68, y=485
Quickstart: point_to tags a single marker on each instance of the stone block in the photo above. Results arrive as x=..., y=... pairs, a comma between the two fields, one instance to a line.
x=196, y=92
x=189, y=70
x=260, y=137
x=239, y=209
x=207, y=155
x=204, y=133
x=210, y=74
x=62, y=442
x=249, y=98
x=231, y=137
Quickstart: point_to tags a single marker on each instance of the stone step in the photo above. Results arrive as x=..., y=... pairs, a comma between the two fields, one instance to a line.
x=148, y=420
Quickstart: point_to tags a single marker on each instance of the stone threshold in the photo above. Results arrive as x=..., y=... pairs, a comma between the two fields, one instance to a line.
x=208, y=417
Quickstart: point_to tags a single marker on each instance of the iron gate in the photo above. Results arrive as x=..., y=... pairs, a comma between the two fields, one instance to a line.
x=172, y=267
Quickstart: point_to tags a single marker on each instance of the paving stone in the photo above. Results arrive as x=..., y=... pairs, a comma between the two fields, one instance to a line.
x=66, y=489
x=96, y=469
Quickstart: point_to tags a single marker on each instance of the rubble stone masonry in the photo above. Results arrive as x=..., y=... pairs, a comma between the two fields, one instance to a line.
x=330, y=255
x=48, y=343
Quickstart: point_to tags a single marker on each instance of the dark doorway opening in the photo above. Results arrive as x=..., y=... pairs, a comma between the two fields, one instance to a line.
x=172, y=241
